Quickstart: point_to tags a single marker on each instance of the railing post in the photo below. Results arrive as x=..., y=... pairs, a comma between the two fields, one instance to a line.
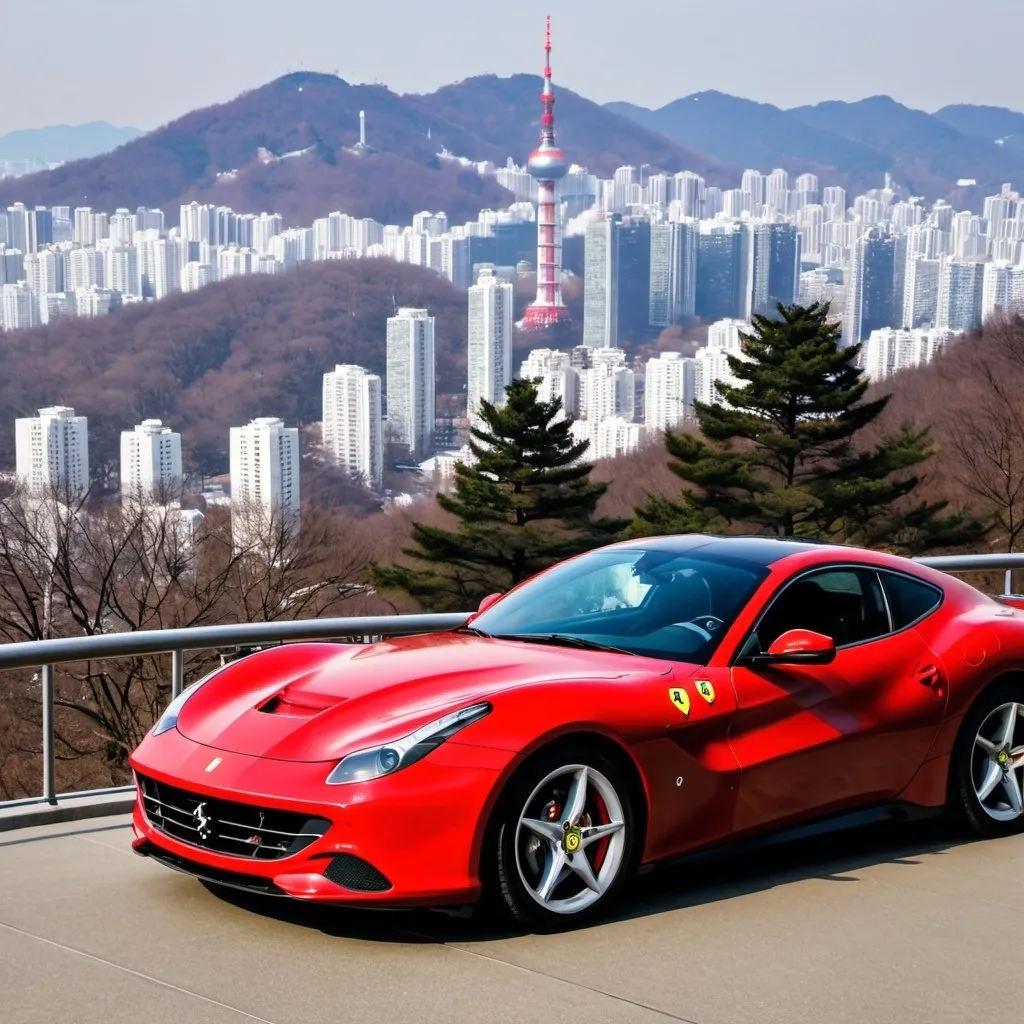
x=49, y=762
x=1008, y=582
x=177, y=672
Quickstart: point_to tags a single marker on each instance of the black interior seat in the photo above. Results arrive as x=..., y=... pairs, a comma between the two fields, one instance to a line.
x=807, y=605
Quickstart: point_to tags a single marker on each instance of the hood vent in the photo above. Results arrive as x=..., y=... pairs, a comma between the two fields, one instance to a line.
x=301, y=705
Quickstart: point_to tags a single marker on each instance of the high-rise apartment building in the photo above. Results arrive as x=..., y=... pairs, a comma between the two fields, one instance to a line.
x=688, y=192
x=601, y=283
x=18, y=307
x=889, y=350
x=634, y=279
x=352, y=424
x=753, y=184
x=776, y=190
x=150, y=463
x=960, y=295
x=490, y=341
x=668, y=390
x=723, y=278
x=558, y=378
x=920, y=299
x=673, y=277
x=1002, y=290
x=265, y=495
x=870, y=285
x=607, y=387
x=775, y=270
x=52, y=453
x=410, y=380
x=85, y=269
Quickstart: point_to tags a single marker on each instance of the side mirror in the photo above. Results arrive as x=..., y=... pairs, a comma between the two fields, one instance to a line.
x=487, y=602
x=798, y=647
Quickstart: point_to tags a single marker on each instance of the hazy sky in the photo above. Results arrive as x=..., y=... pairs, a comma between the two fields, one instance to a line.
x=143, y=63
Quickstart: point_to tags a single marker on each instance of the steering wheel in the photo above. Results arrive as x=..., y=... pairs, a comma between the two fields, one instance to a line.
x=705, y=625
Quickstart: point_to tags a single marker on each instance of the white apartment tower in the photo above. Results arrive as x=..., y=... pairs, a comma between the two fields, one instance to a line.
x=668, y=391
x=410, y=380
x=52, y=452
x=352, y=424
x=601, y=283
x=150, y=463
x=264, y=481
x=18, y=307
x=607, y=387
x=558, y=378
x=490, y=341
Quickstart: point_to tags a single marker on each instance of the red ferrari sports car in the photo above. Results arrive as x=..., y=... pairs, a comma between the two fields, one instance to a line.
x=631, y=705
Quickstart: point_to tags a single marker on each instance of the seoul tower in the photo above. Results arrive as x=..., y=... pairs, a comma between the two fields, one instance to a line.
x=547, y=164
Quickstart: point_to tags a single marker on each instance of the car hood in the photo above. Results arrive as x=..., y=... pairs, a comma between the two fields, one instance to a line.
x=318, y=702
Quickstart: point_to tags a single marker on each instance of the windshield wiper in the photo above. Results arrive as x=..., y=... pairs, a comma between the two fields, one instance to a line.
x=471, y=630
x=560, y=639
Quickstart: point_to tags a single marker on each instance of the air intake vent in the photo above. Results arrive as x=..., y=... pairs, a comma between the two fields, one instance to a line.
x=298, y=703
x=280, y=706
x=353, y=873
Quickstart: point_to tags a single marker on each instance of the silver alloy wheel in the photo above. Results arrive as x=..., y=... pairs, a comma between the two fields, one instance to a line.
x=997, y=763
x=570, y=839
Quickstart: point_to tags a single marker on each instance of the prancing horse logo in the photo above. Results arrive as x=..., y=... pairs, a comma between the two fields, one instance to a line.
x=203, y=821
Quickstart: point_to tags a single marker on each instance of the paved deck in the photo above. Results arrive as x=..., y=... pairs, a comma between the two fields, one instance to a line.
x=887, y=925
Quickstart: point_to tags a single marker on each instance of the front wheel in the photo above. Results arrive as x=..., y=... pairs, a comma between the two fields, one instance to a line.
x=988, y=765
x=566, y=839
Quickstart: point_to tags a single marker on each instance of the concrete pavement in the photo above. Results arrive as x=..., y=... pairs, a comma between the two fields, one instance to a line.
x=884, y=925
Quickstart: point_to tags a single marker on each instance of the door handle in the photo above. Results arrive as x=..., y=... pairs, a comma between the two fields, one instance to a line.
x=928, y=675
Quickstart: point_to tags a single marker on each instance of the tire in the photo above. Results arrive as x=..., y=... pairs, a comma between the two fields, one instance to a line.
x=587, y=858
x=983, y=758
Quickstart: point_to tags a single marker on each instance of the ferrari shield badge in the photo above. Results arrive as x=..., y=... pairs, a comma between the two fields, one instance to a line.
x=706, y=690
x=573, y=838
x=680, y=698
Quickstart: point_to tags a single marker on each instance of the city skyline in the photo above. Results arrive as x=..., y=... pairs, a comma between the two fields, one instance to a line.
x=474, y=45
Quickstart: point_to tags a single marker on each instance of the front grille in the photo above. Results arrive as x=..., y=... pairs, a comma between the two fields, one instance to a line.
x=223, y=826
x=352, y=872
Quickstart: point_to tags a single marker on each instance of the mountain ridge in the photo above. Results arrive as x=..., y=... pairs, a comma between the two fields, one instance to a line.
x=230, y=153
x=57, y=142
x=851, y=143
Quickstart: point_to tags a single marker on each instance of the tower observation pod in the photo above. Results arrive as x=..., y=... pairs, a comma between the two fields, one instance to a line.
x=547, y=164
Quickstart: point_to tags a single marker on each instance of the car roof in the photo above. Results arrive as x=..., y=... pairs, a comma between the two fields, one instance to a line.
x=758, y=550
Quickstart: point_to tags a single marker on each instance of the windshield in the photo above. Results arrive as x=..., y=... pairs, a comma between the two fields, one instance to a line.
x=656, y=603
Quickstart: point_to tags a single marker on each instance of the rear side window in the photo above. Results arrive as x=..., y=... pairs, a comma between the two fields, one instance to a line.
x=909, y=599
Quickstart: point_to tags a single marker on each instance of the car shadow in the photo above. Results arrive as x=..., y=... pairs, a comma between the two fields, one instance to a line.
x=694, y=881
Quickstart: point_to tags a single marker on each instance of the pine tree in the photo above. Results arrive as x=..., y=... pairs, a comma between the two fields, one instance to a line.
x=779, y=454
x=526, y=503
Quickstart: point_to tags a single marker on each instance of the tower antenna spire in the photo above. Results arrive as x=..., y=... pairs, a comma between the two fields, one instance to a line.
x=547, y=165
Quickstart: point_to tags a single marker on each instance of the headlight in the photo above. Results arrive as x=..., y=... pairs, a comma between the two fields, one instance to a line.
x=169, y=719
x=374, y=762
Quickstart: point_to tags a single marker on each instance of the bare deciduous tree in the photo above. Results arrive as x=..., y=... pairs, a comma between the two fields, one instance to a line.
x=71, y=569
x=982, y=431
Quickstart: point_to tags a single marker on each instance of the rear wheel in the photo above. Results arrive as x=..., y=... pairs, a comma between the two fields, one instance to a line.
x=988, y=764
x=566, y=839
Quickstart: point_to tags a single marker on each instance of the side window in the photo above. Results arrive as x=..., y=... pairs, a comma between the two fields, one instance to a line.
x=844, y=604
x=909, y=599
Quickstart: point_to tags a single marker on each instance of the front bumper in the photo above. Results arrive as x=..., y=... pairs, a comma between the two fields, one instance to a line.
x=420, y=828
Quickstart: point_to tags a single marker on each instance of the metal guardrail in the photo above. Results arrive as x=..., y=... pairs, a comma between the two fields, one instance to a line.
x=45, y=654
x=977, y=563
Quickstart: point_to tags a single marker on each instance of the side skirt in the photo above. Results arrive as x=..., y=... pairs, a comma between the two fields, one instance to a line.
x=843, y=822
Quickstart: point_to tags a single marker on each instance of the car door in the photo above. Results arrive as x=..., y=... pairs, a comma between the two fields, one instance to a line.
x=820, y=738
